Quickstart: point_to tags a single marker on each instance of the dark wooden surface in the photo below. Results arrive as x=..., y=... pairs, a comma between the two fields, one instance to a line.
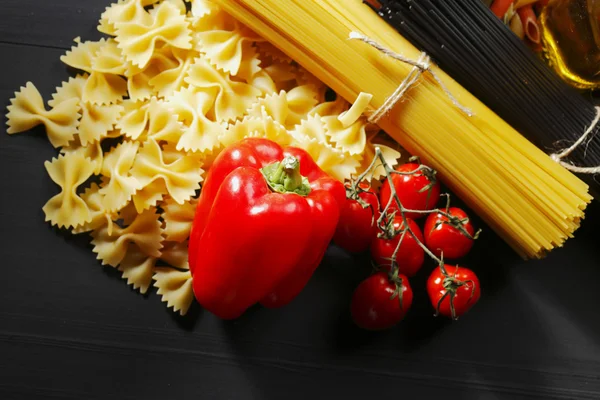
x=70, y=328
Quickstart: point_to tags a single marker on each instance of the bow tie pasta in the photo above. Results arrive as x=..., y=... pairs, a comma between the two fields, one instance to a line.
x=172, y=84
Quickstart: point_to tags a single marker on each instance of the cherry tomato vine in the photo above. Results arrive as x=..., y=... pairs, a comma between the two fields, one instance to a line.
x=444, y=290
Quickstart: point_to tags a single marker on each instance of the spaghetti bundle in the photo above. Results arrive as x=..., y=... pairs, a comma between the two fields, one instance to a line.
x=528, y=199
x=484, y=56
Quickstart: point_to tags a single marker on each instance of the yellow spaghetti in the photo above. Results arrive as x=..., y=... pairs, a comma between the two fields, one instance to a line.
x=528, y=199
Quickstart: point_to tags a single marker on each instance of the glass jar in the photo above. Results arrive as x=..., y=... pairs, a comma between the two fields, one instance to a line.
x=571, y=40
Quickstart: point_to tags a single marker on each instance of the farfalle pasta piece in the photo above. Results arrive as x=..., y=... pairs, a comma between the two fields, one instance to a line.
x=123, y=11
x=269, y=51
x=206, y=15
x=138, y=85
x=301, y=101
x=181, y=178
x=178, y=219
x=171, y=154
x=99, y=88
x=99, y=216
x=112, y=243
x=109, y=59
x=282, y=74
x=336, y=163
x=250, y=64
x=200, y=134
x=312, y=137
x=334, y=107
x=104, y=25
x=287, y=108
x=232, y=99
x=121, y=185
x=92, y=151
x=71, y=89
x=348, y=130
x=114, y=134
x=207, y=159
x=138, y=79
x=175, y=254
x=81, y=56
x=351, y=139
x=303, y=77
x=274, y=105
x=138, y=38
x=262, y=126
x=174, y=283
x=26, y=110
x=224, y=47
x=201, y=8
x=263, y=82
x=179, y=4
x=149, y=119
x=137, y=268
x=175, y=288
x=134, y=118
x=149, y=195
x=163, y=125
x=96, y=121
x=311, y=128
x=390, y=155
x=169, y=80
x=67, y=209
x=127, y=215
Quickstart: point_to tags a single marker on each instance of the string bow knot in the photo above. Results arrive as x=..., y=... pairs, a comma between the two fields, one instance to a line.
x=558, y=157
x=420, y=66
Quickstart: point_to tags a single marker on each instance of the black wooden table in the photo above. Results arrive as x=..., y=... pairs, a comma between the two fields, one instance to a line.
x=70, y=328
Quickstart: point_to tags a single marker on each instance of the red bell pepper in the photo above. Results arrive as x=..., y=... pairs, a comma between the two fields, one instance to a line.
x=263, y=222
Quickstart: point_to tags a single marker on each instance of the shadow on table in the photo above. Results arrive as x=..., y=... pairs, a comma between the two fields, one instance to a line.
x=534, y=325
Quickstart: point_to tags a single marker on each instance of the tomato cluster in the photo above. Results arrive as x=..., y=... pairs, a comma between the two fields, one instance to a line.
x=388, y=226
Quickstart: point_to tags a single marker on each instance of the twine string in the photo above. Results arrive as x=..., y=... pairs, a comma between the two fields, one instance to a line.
x=422, y=65
x=558, y=157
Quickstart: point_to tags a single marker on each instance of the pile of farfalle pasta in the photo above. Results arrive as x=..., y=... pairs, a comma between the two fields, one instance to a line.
x=154, y=102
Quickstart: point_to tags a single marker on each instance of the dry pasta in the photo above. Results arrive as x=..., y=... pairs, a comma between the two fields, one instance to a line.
x=67, y=209
x=175, y=285
x=27, y=110
x=137, y=268
x=138, y=37
x=177, y=219
x=116, y=166
x=151, y=108
x=231, y=98
x=111, y=243
x=93, y=152
x=180, y=178
x=527, y=198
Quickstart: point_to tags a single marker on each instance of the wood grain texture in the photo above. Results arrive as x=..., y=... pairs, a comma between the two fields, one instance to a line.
x=72, y=329
x=49, y=23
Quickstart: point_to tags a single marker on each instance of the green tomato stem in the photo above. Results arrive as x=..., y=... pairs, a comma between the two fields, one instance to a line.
x=386, y=218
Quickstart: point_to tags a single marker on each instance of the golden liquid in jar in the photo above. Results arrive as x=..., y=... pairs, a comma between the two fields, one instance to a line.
x=571, y=39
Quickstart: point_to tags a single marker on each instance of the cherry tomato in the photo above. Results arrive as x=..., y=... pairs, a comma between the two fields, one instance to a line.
x=411, y=191
x=443, y=236
x=410, y=256
x=375, y=306
x=357, y=226
x=460, y=286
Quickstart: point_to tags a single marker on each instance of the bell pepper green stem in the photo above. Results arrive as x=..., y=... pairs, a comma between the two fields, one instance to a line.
x=285, y=177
